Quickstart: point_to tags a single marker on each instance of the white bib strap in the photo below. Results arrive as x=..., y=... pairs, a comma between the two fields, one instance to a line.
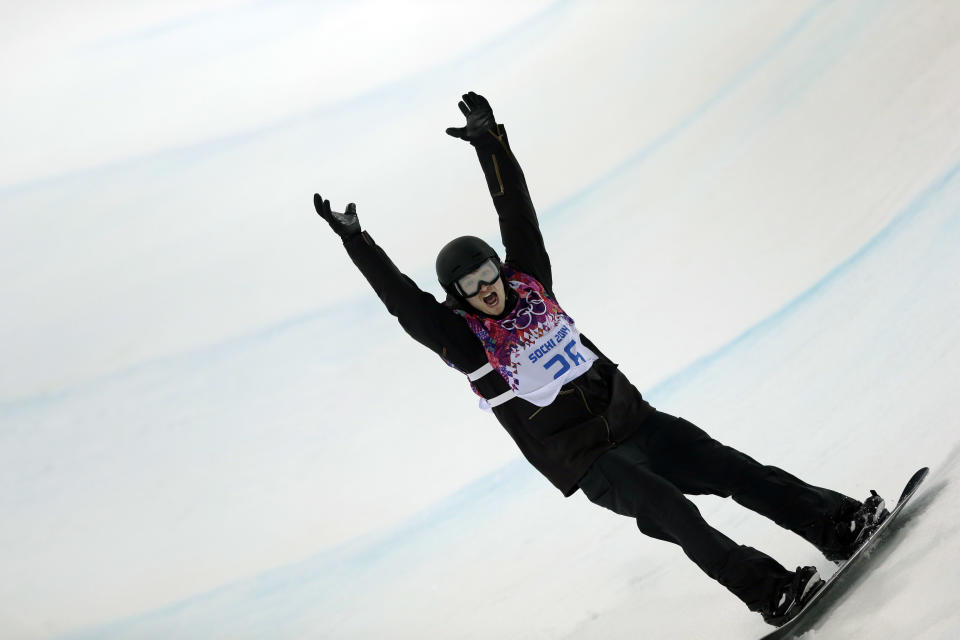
x=503, y=397
x=479, y=373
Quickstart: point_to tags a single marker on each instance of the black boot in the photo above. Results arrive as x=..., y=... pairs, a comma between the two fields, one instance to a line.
x=788, y=600
x=852, y=528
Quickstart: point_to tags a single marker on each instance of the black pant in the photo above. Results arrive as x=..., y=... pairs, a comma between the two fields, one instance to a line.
x=646, y=478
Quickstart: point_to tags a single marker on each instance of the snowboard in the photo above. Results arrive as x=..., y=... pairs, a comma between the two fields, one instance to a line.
x=801, y=622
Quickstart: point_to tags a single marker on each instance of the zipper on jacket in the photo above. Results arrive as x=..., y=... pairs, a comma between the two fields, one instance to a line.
x=590, y=411
x=534, y=414
x=496, y=169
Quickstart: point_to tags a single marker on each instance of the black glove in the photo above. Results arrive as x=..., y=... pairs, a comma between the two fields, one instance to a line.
x=479, y=118
x=346, y=225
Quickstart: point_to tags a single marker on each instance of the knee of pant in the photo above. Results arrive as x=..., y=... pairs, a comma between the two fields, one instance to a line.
x=659, y=516
x=652, y=528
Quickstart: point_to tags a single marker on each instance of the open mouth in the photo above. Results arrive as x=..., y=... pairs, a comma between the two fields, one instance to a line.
x=490, y=299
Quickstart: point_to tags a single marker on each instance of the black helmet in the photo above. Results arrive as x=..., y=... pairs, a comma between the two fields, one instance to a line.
x=459, y=257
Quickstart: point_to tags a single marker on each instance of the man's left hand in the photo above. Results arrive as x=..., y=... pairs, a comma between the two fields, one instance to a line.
x=479, y=115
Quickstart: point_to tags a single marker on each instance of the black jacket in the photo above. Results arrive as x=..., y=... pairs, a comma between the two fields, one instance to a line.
x=591, y=414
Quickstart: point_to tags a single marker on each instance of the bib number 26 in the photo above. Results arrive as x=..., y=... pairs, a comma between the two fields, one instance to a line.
x=564, y=361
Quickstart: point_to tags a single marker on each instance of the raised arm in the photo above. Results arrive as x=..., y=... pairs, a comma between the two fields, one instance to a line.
x=519, y=228
x=421, y=316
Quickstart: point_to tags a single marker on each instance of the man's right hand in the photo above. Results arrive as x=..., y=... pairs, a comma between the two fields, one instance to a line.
x=346, y=224
x=480, y=118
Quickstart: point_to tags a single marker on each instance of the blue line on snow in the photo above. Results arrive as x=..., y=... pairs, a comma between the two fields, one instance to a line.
x=735, y=82
x=180, y=153
x=818, y=288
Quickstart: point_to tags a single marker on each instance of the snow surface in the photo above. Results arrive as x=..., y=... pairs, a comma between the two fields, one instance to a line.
x=210, y=428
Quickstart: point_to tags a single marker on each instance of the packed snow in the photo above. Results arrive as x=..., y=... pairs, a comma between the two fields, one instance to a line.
x=210, y=427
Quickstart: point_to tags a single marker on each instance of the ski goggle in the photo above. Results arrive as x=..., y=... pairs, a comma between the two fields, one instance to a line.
x=487, y=273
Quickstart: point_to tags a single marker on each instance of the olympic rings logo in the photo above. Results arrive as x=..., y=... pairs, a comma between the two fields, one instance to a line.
x=533, y=306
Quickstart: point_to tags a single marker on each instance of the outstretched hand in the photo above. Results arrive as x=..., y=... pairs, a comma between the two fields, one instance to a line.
x=479, y=118
x=345, y=225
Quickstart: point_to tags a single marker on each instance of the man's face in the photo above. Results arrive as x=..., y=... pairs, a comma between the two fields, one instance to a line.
x=491, y=299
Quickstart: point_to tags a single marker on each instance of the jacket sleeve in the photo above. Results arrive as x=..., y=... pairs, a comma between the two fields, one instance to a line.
x=519, y=228
x=421, y=316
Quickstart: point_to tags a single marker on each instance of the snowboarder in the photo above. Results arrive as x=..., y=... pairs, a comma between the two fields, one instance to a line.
x=574, y=415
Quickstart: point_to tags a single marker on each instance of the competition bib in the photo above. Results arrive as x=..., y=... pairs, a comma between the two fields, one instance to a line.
x=550, y=362
x=536, y=347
